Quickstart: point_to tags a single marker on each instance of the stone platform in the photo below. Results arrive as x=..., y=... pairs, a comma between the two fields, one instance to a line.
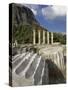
x=45, y=66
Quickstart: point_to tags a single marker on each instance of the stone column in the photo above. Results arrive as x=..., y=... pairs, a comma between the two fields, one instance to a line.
x=51, y=37
x=16, y=44
x=39, y=41
x=47, y=37
x=43, y=37
x=34, y=37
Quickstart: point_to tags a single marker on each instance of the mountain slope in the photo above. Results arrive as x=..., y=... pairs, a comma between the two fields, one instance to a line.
x=23, y=22
x=23, y=15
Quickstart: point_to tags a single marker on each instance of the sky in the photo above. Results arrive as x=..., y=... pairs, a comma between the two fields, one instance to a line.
x=51, y=17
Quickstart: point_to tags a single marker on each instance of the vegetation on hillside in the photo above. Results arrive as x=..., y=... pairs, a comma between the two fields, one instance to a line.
x=59, y=37
x=24, y=34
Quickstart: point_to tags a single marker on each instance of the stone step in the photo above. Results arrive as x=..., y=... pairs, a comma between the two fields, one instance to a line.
x=18, y=60
x=29, y=69
x=38, y=73
x=18, y=56
x=21, y=59
x=23, y=65
x=32, y=67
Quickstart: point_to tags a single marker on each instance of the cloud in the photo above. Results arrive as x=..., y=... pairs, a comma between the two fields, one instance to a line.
x=34, y=8
x=34, y=11
x=51, y=12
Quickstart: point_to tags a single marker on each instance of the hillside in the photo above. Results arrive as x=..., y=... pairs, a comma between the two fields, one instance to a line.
x=23, y=22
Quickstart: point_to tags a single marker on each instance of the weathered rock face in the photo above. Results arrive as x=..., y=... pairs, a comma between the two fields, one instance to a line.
x=55, y=53
x=23, y=15
x=54, y=56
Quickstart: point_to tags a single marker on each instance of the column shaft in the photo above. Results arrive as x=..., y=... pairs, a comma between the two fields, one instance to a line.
x=39, y=41
x=34, y=37
x=43, y=37
x=47, y=37
x=51, y=37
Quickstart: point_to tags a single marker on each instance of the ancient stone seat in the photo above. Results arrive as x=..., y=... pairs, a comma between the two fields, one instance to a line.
x=28, y=69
